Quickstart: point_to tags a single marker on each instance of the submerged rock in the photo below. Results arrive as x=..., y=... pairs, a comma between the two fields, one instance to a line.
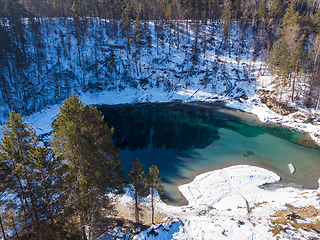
x=248, y=154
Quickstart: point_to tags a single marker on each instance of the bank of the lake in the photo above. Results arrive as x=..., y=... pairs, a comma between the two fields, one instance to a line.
x=228, y=203
x=187, y=139
x=225, y=221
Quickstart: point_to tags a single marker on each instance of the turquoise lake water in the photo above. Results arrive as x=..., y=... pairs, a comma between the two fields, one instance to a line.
x=187, y=139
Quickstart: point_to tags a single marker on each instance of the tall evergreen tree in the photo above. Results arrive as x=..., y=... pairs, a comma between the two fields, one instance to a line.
x=128, y=16
x=137, y=179
x=50, y=192
x=83, y=140
x=276, y=12
x=288, y=57
x=17, y=143
x=137, y=42
x=227, y=17
x=154, y=184
x=314, y=65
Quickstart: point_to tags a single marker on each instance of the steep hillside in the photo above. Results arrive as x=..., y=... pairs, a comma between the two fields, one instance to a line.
x=63, y=56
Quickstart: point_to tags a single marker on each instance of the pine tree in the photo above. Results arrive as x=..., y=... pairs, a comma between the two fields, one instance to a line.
x=154, y=184
x=48, y=171
x=263, y=11
x=128, y=14
x=288, y=57
x=83, y=140
x=9, y=222
x=314, y=65
x=277, y=61
x=263, y=17
x=3, y=230
x=137, y=42
x=17, y=143
x=227, y=17
x=276, y=12
x=137, y=179
x=32, y=175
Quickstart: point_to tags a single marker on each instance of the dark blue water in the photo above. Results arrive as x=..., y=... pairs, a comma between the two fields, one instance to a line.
x=184, y=140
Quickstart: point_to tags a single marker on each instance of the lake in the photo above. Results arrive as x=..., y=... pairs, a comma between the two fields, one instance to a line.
x=187, y=139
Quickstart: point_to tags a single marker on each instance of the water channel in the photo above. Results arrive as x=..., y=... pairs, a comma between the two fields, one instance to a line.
x=187, y=139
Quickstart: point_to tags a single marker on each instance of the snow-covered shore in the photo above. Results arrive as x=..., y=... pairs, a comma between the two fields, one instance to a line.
x=42, y=120
x=223, y=203
x=229, y=203
x=264, y=114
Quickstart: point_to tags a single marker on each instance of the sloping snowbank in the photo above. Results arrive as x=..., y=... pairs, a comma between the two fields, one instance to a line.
x=42, y=120
x=229, y=203
x=209, y=188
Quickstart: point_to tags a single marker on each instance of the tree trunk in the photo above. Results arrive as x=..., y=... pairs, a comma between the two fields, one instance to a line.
x=157, y=37
x=317, y=105
x=34, y=210
x=294, y=81
x=178, y=32
x=152, y=205
x=136, y=212
x=48, y=201
x=24, y=199
x=292, y=95
x=16, y=232
x=127, y=48
x=170, y=26
x=136, y=62
x=80, y=7
x=2, y=229
x=61, y=9
x=139, y=58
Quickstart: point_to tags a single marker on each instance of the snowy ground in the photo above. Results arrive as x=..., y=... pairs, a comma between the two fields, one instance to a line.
x=226, y=203
x=171, y=76
x=42, y=120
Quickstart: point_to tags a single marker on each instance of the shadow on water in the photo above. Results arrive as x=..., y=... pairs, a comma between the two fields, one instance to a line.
x=184, y=139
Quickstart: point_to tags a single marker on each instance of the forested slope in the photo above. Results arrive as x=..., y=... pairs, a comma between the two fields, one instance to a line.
x=50, y=49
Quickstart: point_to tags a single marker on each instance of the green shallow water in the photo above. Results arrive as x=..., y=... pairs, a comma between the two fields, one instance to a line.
x=185, y=140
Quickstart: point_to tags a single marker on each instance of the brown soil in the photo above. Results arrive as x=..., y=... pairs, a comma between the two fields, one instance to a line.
x=127, y=212
x=283, y=219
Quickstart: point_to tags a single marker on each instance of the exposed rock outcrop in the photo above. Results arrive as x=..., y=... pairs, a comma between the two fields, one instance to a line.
x=273, y=104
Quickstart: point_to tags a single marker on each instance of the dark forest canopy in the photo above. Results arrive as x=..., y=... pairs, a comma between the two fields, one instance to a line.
x=240, y=10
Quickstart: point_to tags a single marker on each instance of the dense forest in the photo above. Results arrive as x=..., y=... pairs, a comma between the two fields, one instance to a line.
x=50, y=49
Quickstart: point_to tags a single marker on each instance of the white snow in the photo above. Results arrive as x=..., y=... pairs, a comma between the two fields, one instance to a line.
x=170, y=230
x=42, y=120
x=229, y=203
x=172, y=76
x=226, y=203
